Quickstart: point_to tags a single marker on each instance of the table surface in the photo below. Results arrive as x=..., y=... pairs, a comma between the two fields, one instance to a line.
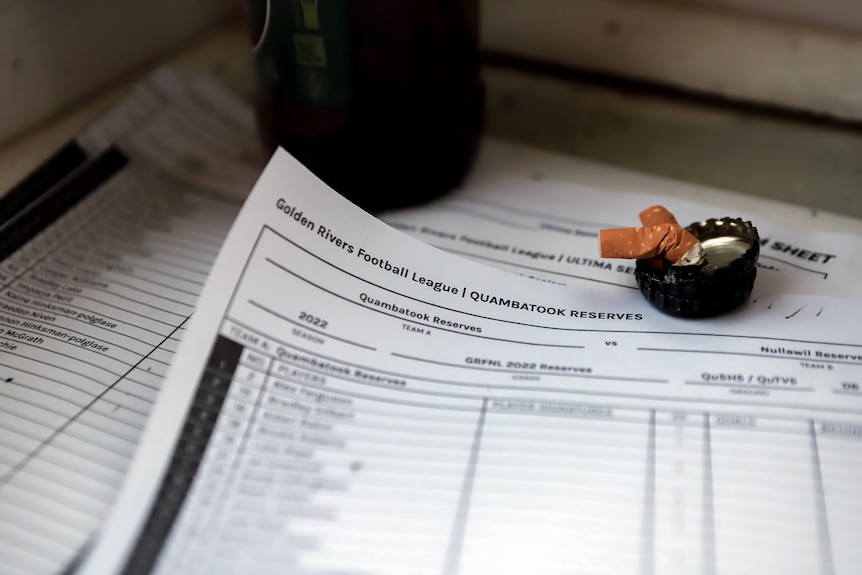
x=800, y=170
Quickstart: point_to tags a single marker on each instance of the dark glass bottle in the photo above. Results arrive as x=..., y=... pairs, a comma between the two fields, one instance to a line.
x=382, y=99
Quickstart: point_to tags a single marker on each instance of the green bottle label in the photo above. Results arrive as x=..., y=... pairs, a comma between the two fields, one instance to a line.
x=302, y=50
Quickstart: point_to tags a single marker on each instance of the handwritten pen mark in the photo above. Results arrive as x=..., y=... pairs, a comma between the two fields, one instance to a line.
x=819, y=312
x=794, y=313
x=760, y=296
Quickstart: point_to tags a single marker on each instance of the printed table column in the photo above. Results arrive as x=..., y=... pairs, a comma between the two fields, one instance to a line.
x=766, y=496
x=683, y=536
x=559, y=488
x=205, y=507
x=187, y=457
x=839, y=452
x=389, y=472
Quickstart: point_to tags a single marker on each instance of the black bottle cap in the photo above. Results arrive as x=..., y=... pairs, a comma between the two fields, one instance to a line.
x=721, y=283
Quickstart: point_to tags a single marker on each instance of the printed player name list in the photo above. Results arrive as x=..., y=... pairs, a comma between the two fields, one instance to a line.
x=90, y=314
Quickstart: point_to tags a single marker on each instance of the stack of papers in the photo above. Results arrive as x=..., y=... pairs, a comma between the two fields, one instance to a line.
x=460, y=388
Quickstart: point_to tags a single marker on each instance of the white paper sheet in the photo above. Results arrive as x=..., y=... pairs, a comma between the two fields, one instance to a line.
x=549, y=230
x=350, y=400
x=91, y=310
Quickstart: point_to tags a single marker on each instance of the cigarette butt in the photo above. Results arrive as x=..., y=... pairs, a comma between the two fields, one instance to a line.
x=657, y=215
x=632, y=243
x=668, y=239
x=683, y=241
